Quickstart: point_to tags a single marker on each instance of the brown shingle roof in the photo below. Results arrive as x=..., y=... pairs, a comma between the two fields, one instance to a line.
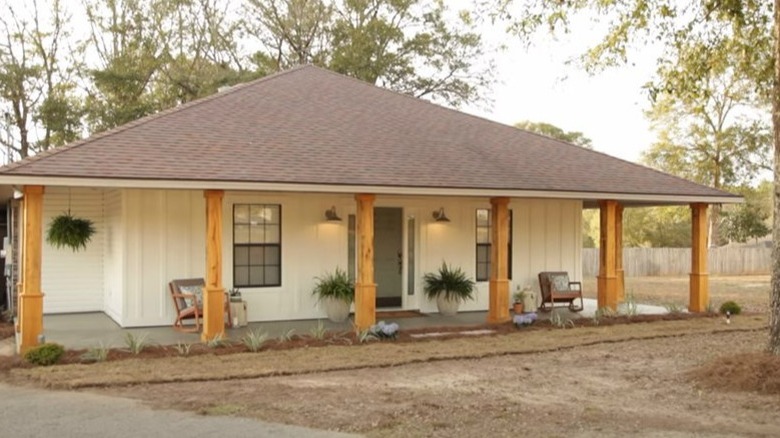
x=309, y=125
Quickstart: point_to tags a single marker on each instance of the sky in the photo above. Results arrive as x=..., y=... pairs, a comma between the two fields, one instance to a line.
x=534, y=83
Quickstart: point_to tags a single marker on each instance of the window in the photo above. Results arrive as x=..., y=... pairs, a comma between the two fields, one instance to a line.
x=257, y=245
x=484, y=236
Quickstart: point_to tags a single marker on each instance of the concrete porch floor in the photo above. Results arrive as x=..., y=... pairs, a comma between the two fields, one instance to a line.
x=85, y=330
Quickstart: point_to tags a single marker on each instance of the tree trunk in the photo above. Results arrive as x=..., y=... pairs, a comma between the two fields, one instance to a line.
x=715, y=239
x=774, y=308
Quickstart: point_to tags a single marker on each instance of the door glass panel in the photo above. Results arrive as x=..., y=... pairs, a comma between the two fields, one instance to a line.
x=410, y=273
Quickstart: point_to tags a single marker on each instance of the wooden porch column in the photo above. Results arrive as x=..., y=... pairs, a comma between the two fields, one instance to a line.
x=214, y=292
x=621, y=280
x=607, y=278
x=498, y=311
x=31, y=297
x=700, y=285
x=365, y=288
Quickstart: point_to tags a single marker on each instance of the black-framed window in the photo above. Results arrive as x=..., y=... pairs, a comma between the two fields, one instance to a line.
x=257, y=245
x=484, y=241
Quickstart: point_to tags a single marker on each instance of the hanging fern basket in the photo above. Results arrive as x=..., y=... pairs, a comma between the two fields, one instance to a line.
x=68, y=231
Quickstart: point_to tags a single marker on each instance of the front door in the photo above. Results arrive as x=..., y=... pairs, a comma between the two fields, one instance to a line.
x=388, y=255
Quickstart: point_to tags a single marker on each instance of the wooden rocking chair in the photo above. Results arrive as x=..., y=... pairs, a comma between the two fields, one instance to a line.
x=188, y=300
x=556, y=288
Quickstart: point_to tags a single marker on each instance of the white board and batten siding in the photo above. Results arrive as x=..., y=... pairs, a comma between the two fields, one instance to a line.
x=146, y=238
x=72, y=281
x=164, y=239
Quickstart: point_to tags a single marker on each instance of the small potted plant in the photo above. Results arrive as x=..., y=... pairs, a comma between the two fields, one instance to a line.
x=519, y=299
x=336, y=293
x=449, y=287
x=518, y=302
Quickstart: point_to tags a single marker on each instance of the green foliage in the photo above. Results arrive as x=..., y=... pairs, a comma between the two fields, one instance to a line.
x=98, y=353
x=451, y=282
x=319, y=331
x=748, y=220
x=183, y=349
x=286, y=336
x=136, y=344
x=573, y=137
x=254, y=340
x=674, y=308
x=68, y=231
x=364, y=336
x=630, y=307
x=667, y=227
x=334, y=285
x=559, y=321
x=218, y=341
x=44, y=354
x=410, y=46
x=731, y=307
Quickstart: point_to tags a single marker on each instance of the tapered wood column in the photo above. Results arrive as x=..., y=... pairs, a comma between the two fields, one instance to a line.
x=214, y=292
x=31, y=297
x=365, y=288
x=607, y=278
x=619, y=273
x=700, y=284
x=498, y=311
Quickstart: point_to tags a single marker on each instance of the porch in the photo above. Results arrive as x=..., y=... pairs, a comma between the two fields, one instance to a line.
x=87, y=330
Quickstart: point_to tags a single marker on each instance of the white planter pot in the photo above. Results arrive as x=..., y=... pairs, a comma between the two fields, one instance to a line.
x=447, y=307
x=337, y=310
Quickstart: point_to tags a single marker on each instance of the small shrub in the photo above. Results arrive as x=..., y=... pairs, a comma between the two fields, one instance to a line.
x=674, y=308
x=96, y=354
x=557, y=320
x=218, y=342
x=731, y=307
x=254, y=340
x=136, y=344
x=364, y=336
x=286, y=336
x=44, y=354
x=631, y=308
x=182, y=348
x=319, y=331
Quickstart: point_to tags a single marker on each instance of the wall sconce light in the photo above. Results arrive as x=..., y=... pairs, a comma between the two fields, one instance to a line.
x=18, y=193
x=331, y=215
x=440, y=216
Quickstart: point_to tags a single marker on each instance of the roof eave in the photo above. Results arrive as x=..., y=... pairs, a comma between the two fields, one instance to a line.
x=630, y=199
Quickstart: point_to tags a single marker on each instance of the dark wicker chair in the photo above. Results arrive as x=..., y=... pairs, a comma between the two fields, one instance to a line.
x=556, y=288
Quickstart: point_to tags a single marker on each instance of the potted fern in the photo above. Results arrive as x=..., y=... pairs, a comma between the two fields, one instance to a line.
x=449, y=287
x=335, y=293
x=65, y=230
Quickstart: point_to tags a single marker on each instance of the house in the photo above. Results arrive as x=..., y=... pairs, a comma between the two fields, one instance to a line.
x=240, y=188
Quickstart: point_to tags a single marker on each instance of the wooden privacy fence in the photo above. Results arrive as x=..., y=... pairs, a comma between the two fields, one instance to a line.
x=647, y=262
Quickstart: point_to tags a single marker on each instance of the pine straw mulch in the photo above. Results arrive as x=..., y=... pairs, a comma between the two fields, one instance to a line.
x=7, y=329
x=748, y=372
x=343, y=352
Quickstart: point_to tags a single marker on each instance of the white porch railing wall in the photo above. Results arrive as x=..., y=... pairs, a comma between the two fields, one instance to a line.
x=648, y=262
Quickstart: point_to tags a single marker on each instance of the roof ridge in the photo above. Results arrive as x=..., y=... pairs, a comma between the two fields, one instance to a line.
x=148, y=118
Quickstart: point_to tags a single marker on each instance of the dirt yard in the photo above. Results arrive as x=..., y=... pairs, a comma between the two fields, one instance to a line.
x=749, y=291
x=616, y=388
x=591, y=381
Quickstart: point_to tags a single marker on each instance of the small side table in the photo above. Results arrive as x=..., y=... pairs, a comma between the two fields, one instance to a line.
x=238, y=313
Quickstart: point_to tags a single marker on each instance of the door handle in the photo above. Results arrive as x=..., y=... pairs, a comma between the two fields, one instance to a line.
x=400, y=262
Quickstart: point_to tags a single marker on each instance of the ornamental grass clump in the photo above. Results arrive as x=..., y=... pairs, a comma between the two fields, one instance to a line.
x=68, y=231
